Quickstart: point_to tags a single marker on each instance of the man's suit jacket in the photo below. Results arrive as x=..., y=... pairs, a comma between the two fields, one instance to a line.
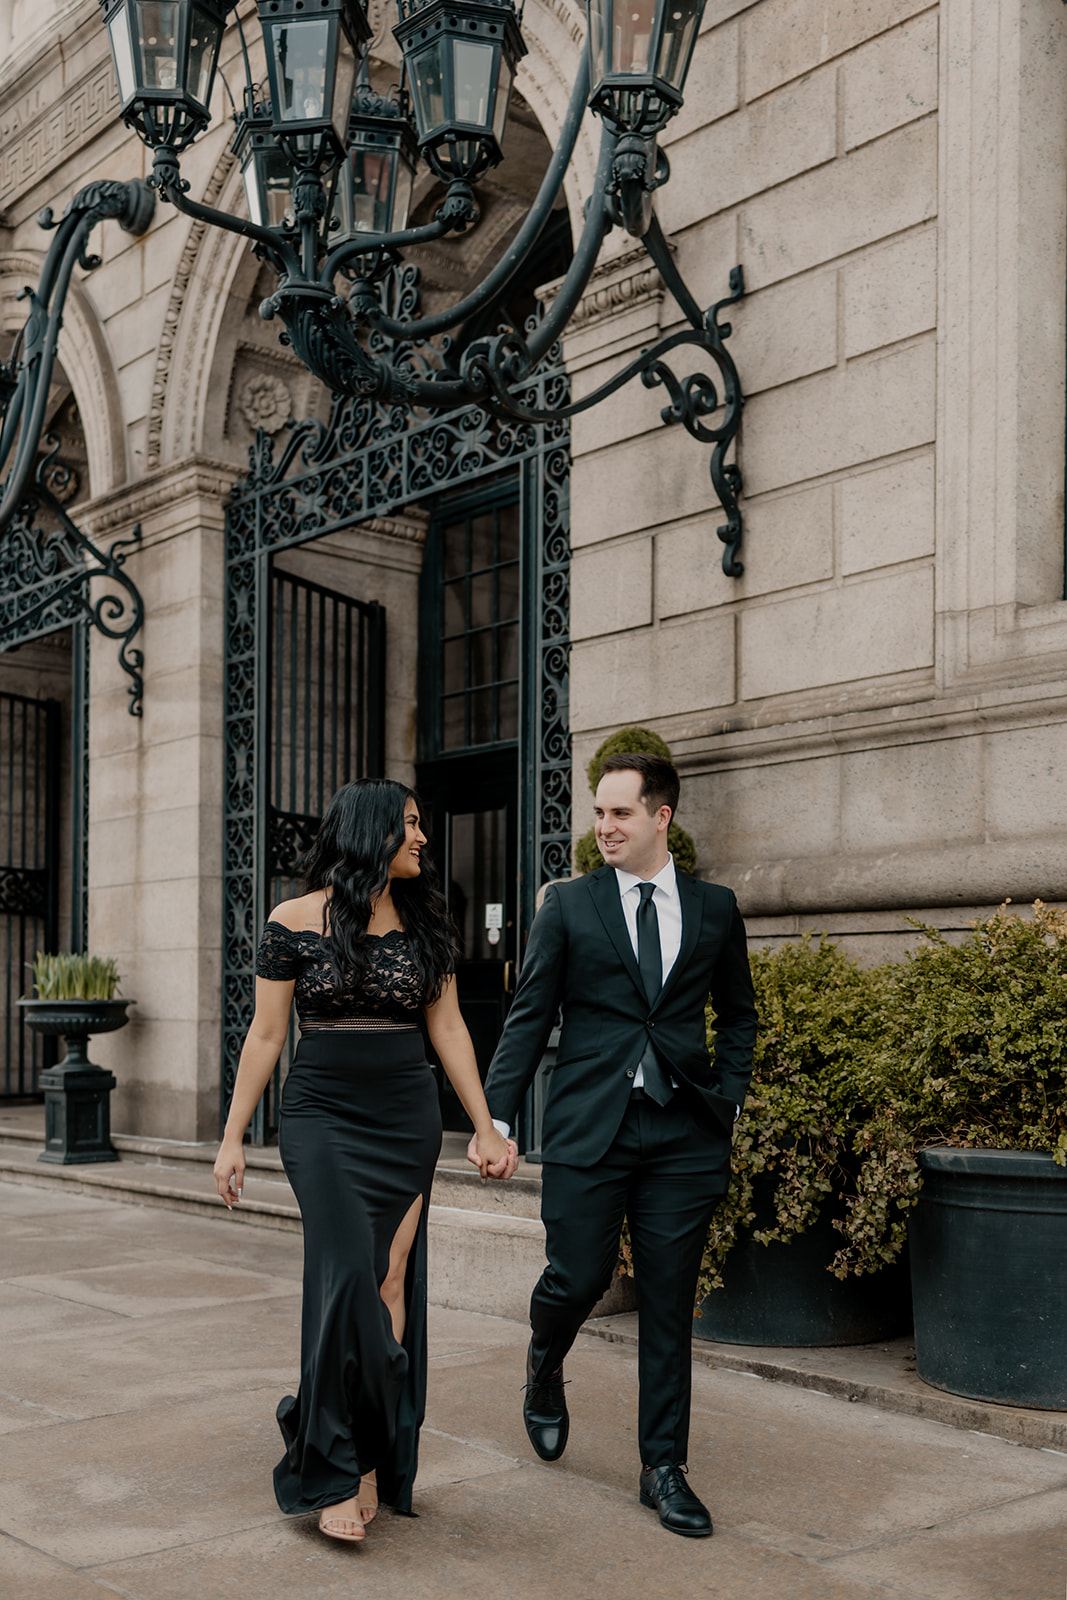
x=579, y=957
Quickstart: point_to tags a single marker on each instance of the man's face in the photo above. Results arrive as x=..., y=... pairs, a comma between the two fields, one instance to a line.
x=626, y=834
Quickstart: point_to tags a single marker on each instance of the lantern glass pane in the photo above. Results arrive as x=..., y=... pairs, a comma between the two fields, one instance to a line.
x=372, y=172
x=300, y=53
x=427, y=83
x=503, y=96
x=203, y=52
x=344, y=83
x=118, y=28
x=248, y=175
x=277, y=182
x=596, y=40
x=680, y=21
x=158, y=22
x=405, y=182
x=631, y=35
x=473, y=67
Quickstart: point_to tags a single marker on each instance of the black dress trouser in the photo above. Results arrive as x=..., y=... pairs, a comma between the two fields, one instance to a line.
x=665, y=1171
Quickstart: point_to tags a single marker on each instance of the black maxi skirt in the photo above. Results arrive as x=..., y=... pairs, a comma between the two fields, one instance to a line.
x=360, y=1134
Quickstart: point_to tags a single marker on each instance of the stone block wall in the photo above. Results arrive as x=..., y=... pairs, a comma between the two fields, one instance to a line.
x=871, y=719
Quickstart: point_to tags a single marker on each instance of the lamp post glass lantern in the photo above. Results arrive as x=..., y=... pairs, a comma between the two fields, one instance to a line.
x=461, y=61
x=265, y=172
x=165, y=53
x=378, y=174
x=312, y=53
x=639, y=55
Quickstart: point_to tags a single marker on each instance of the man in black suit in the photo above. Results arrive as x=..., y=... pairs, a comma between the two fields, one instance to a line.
x=638, y=1120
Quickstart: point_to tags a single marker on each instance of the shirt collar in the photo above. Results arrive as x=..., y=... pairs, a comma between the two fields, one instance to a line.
x=665, y=879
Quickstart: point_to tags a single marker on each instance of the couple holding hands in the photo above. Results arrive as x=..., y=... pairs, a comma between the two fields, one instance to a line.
x=637, y=1125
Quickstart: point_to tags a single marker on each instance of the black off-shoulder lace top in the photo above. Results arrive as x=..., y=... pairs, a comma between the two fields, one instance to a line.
x=389, y=997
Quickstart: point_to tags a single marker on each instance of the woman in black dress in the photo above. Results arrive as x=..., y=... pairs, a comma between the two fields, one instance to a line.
x=367, y=952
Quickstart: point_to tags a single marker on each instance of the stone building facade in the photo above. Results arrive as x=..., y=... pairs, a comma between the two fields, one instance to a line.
x=871, y=721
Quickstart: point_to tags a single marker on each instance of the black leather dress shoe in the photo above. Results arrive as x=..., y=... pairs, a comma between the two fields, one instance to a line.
x=666, y=1491
x=544, y=1411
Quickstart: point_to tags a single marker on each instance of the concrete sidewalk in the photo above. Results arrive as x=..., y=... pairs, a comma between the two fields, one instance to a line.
x=144, y=1351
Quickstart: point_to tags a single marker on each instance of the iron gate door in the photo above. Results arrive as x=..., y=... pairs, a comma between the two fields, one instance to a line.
x=29, y=859
x=325, y=725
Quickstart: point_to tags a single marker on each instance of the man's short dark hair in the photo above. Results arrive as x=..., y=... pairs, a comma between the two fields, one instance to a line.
x=660, y=784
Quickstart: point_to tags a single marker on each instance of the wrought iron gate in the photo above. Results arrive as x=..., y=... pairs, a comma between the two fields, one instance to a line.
x=368, y=461
x=30, y=732
x=325, y=725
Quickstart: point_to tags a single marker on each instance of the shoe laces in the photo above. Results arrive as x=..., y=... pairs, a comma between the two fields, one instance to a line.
x=670, y=1477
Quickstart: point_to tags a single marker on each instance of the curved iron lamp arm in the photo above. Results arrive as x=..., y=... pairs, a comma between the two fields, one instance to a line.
x=368, y=308
x=46, y=578
x=131, y=205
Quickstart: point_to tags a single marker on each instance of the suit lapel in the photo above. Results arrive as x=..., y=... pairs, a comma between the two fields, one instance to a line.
x=608, y=902
x=689, y=899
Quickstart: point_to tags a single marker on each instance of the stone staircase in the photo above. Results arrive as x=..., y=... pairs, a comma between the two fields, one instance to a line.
x=486, y=1239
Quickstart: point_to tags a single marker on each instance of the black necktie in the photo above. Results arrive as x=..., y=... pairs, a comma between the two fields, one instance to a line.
x=650, y=962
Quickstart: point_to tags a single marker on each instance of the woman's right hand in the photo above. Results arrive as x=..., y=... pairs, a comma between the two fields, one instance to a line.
x=230, y=1172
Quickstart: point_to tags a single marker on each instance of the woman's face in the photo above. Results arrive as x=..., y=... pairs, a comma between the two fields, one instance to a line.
x=405, y=864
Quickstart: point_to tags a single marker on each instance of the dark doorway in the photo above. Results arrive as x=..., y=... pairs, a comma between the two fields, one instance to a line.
x=30, y=735
x=468, y=774
x=326, y=720
x=473, y=820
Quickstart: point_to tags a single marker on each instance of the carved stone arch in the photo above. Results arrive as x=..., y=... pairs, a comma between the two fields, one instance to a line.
x=554, y=31
x=200, y=291
x=85, y=357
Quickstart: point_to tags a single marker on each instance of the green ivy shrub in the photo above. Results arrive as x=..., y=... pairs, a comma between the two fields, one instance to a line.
x=973, y=1039
x=641, y=742
x=814, y=1084
x=627, y=742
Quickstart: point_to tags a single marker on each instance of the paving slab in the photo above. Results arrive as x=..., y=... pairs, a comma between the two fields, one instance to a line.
x=26, y=1574
x=139, y=1438
x=147, y=1287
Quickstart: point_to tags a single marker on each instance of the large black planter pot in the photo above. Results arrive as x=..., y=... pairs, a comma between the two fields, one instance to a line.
x=77, y=1107
x=989, y=1276
x=782, y=1294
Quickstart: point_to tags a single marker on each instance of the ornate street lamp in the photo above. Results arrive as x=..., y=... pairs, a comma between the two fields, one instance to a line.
x=265, y=171
x=639, y=53
x=165, y=53
x=328, y=180
x=313, y=49
x=461, y=57
x=376, y=178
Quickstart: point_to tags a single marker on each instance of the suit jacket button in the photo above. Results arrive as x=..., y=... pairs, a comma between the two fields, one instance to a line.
x=651, y=1023
x=630, y=1072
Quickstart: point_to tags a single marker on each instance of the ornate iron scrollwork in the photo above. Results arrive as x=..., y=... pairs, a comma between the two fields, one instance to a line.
x=372, y=459
x=47, y=575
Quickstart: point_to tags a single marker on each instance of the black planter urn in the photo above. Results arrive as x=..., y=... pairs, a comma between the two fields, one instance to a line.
x=989, y=1276
x=783, y=1294
x=77, y=1107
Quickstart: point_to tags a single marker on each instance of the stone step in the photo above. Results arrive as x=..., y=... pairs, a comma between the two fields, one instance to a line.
x=486, y=1239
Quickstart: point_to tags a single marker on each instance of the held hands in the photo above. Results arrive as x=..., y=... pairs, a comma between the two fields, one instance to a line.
x=493, y=1155
x=230, y=1173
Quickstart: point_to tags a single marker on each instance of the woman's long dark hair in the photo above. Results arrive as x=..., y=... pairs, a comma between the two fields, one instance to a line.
x=360, y=834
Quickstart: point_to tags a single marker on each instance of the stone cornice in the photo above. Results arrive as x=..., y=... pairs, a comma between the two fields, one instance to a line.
x=924, y=722
x=618, y=285
x=179, y=481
